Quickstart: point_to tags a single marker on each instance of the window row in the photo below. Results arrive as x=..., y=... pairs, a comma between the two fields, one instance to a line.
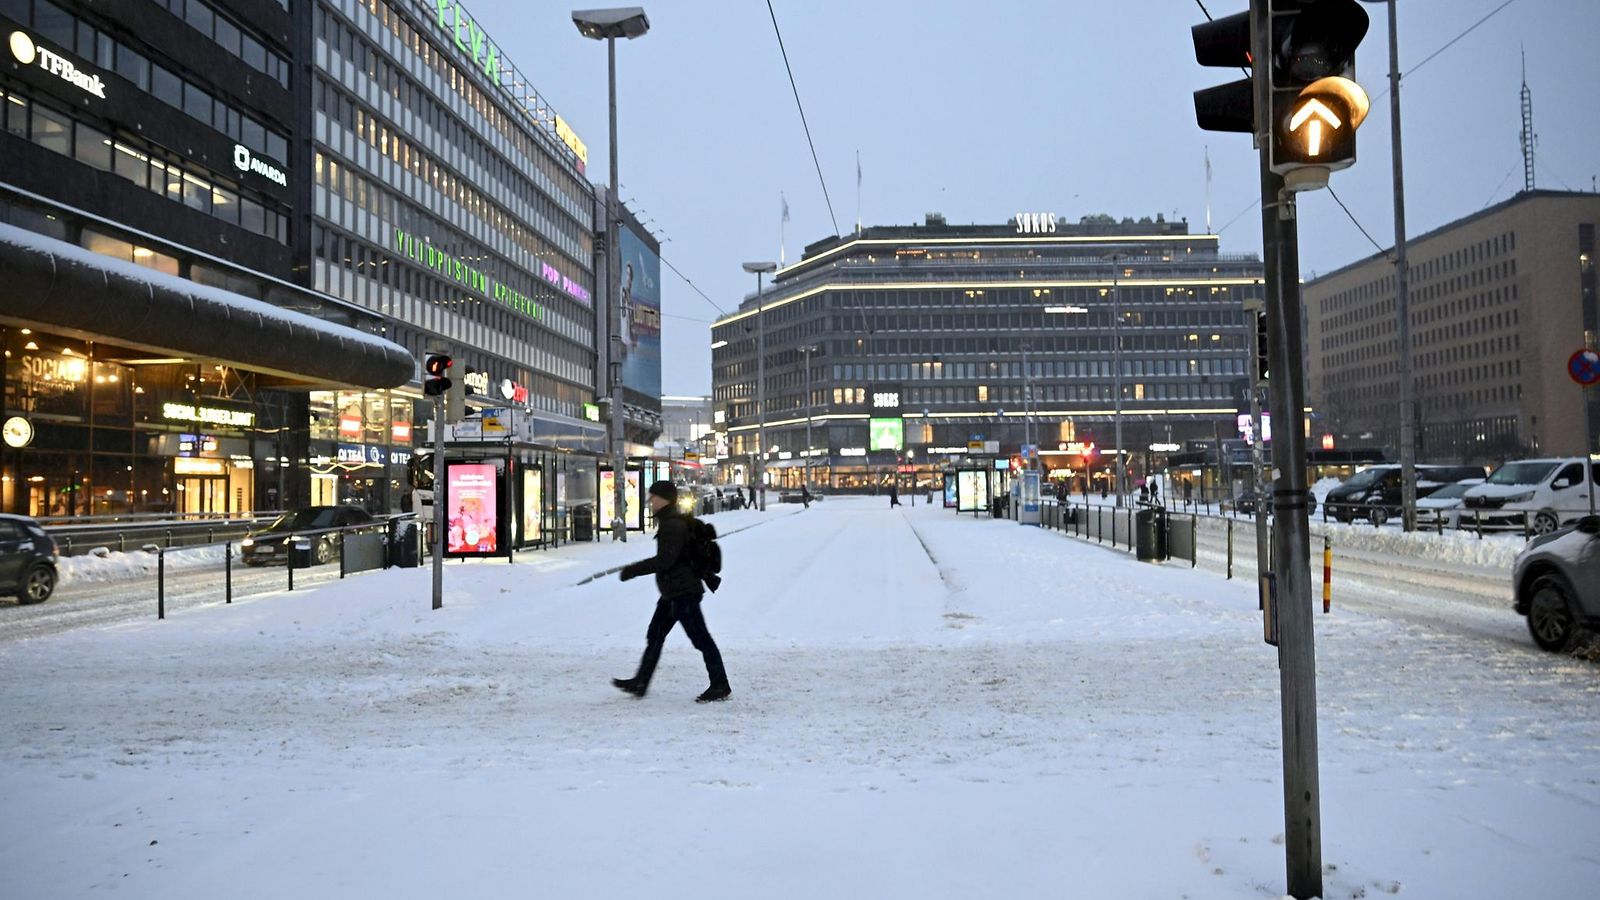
x=140, y=164
x=543, y=158
x=534, y=225
x=391, y=211
x=160, y=82
x=232, y=37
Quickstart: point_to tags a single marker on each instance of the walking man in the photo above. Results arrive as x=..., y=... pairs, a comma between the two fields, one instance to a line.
x=805, y=495
x=894, y=493
x=681, y=592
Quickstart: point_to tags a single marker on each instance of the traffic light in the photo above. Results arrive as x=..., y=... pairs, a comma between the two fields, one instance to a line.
x=1261, y=346
x=435, y=374
x=1231, y=106
x=1316, y=103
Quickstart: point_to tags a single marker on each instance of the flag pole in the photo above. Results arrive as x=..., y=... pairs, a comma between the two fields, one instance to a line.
x=1208, y=189
x=858, y=192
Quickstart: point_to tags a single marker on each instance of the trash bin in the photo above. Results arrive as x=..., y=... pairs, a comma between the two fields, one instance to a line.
x=1163, y=528
x=583, y=523
x=404, y=550
x=1145, y=531
x=300, y=552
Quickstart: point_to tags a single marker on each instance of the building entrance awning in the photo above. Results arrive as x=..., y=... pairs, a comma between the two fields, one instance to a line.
x=54, y=284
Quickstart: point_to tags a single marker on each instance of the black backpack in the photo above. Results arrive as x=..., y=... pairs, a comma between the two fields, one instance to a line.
x=706, y=553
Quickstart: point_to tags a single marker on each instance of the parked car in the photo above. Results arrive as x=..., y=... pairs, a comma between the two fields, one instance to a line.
x=1544, y=493
x=1557, y=583
x=271, y=544
x=27, y=560
x=1245, y=503
x=1374, y=492
x=1443, y=507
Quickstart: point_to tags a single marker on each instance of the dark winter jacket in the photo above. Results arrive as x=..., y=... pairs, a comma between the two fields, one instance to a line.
x=673, y=565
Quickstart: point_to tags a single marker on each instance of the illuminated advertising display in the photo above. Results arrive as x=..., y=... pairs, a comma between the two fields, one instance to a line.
x=532, y=505
x=885, y=434
x=472, y=515
x=972, y=488
x=641, y=315
x=608, y=499
x=949, y=490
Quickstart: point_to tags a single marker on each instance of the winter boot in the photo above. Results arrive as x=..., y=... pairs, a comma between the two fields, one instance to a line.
x=718, y=691
x=629, y=686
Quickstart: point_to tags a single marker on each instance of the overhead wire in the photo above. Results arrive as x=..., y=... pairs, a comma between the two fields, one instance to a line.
x=800, y=106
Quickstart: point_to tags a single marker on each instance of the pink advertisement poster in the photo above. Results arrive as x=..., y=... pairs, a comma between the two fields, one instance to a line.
x=471, y=515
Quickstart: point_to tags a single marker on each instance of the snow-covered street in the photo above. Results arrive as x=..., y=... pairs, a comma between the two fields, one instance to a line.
x=924, y=705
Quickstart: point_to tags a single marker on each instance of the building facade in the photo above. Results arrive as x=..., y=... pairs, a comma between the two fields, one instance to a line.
x=443, y=193
x=898, y=347
x=1498, y=302
x=158, y=346
x=376, y=174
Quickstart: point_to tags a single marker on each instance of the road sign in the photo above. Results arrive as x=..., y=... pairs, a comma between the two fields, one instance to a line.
x=1584, y=367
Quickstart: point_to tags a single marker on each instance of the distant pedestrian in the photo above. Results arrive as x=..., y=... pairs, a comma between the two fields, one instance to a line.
x=1103, y=490
x=681, y=591
x=1155, y=493
x=894, y=494
x=1144, y=494
x=805, y=495
x=1188, y=492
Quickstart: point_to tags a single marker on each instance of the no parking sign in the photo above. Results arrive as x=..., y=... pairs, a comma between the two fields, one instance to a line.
x=1584, y=367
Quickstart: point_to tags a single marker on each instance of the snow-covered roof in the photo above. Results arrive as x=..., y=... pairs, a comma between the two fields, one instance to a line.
x=53, y=283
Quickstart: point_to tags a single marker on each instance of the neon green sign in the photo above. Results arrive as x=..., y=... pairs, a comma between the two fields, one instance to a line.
x=463, y=274
x=885, y=434
x=471, y=40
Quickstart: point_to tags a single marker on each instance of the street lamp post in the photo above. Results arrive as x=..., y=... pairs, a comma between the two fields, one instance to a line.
x=761, y=268
x=608, y=25
x=1116, y=368
x=808, y=350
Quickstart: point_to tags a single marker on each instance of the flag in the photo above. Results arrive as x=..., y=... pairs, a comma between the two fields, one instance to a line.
x=785, y=206
x=858, y=170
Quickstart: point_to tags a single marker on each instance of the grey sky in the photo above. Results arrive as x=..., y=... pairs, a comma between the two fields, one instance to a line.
x=982, y=110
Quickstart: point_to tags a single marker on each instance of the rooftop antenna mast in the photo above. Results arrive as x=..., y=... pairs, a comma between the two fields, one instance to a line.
x=1528, y=138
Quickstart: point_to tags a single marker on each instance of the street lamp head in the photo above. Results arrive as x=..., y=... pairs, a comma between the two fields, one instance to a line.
x=761, y=267
x=617, y=22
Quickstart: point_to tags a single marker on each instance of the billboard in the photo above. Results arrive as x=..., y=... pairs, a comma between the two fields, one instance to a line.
x=885, y=434
x=608, y=500
x=472, y=516
x=641, y=315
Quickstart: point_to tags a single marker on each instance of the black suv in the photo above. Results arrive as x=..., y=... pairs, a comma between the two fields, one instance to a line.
x=1374, y=492
x=27, y=560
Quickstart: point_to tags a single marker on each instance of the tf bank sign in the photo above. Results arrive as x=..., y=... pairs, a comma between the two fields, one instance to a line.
x=28, y=52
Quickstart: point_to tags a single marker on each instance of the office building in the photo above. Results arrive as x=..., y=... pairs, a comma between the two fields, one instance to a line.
x=901, y=347
x=1499, y=301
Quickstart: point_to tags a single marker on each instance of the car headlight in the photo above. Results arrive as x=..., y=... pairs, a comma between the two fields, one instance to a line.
x=247, y=542
x=1523, y=497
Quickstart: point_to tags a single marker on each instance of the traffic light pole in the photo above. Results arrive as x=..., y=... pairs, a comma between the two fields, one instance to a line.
x=440, y=498
x=1291, y=538
x=1402, y=303
x=1257, y=464
x=619, y=461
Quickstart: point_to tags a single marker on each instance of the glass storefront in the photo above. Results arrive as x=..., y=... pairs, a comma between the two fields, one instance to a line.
x=97, y=430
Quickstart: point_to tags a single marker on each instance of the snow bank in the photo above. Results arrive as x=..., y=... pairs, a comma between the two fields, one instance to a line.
x=126, y=566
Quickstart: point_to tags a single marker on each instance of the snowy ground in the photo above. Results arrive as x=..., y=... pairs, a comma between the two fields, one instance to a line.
x=924, y=706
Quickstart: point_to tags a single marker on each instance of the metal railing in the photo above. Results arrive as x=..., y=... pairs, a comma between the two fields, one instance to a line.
x=77, y=539
x=300, y=555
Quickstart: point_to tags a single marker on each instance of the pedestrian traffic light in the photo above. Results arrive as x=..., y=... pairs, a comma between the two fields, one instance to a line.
x=1261, y=346
x=1316, y=103
x=435, y=369
x=1231, y=106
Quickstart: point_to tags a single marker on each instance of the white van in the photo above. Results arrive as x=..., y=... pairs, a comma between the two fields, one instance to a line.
x=1546, y=493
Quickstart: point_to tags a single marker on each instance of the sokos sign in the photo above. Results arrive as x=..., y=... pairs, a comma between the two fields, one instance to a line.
x=27, y=52
x=1036, y=223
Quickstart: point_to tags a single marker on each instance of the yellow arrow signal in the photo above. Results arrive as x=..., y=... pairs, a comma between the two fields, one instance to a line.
x=1322, y=113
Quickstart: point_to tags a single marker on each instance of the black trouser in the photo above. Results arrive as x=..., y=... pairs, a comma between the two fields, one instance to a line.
x=671, y=611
